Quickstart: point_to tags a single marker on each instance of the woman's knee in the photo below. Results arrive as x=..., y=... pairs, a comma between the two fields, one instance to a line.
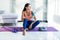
x=38, y=21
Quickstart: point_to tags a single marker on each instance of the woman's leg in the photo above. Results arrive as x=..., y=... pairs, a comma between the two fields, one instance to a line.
x=29, y=23
x=24, y=26
x=35, y=24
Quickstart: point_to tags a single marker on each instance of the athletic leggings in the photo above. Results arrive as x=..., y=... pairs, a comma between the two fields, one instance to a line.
x=27, y=23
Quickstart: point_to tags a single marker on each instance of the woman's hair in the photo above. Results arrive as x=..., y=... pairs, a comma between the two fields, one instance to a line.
x=26, y=5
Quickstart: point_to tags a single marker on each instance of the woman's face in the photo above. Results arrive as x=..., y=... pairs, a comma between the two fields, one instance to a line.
x=28, y=8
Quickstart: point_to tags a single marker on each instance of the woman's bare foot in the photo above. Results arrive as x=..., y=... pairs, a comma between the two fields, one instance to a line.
x=24, y=32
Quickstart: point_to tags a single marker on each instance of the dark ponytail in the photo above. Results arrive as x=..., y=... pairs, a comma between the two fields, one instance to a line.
x=26, y=5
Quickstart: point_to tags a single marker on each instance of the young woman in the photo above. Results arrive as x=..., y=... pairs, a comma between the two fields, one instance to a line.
x=28, y=18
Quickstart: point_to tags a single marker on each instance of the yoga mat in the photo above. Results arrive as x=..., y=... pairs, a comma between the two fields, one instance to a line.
x=19, y=29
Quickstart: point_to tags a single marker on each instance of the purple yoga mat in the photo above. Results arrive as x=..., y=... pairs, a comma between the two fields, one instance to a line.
x=7, y=29
x=51, y=29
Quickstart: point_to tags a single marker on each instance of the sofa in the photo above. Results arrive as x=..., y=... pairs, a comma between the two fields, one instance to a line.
x=8, y=19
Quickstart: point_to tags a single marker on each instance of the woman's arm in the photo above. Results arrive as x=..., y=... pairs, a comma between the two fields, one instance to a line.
x=22, y=17
x=34, y=20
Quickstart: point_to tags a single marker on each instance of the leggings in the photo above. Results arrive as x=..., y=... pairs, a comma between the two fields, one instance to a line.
x=27, y=23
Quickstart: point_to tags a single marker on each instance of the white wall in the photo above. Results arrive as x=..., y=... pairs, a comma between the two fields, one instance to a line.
x=53, y=6
x=5, y=5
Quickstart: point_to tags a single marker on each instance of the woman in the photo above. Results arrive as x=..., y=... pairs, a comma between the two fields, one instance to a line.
x=28, y=18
